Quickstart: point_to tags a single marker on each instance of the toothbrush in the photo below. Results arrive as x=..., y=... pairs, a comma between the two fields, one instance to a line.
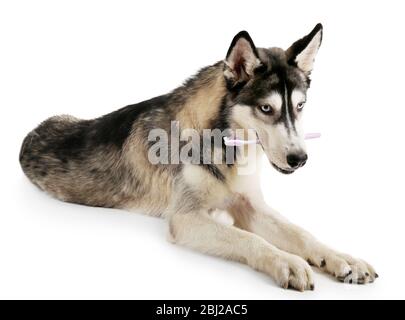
x=238, y=142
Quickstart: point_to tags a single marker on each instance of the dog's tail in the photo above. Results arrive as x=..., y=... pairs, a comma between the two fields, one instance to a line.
x=36, y=156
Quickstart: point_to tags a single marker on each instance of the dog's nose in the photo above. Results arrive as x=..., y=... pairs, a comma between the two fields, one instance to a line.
x=296, y=160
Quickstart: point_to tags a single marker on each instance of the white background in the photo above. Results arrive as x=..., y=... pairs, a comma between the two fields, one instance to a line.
x=88, y=58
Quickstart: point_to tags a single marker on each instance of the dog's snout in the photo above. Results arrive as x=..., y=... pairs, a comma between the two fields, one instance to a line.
x=296, y=160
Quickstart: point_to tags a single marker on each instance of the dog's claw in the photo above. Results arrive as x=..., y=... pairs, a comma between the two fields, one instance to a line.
x=344, y=268
x=323, y=263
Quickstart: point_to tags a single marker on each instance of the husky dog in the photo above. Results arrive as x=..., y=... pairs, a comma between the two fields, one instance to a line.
x=104, y=162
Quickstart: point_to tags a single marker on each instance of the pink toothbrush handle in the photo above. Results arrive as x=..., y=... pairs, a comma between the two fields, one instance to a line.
x=238, y=143
x=312, y=135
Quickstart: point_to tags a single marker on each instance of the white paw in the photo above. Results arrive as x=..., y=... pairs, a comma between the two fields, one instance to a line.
x=289, y=271
x=344, y=267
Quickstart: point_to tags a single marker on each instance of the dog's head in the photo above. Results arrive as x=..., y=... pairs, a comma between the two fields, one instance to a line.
x=267, y=91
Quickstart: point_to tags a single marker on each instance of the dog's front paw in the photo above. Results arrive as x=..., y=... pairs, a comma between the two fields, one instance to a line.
x=289, y=271
x=343, y=267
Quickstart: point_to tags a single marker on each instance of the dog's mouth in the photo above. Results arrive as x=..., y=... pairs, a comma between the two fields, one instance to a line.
x=284, y=171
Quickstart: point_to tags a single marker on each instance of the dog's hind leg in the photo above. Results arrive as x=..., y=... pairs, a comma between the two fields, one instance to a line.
x=197, y=230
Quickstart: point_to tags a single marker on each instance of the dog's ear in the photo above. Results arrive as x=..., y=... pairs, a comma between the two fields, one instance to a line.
x=242, y=58
x=302, y=53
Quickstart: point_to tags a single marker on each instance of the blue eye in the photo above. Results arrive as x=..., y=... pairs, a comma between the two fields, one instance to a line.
x=266, y=109
x=300, y=106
